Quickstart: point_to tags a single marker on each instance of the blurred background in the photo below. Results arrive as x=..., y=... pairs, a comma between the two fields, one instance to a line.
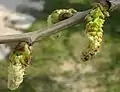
x=56, y=64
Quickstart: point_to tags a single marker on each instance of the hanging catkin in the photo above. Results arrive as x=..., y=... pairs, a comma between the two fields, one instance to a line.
x=94, y=24
x=19, y=60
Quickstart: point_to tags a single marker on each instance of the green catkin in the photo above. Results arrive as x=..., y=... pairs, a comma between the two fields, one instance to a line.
x=59, y=15
x=19, y=60
x=94, y=23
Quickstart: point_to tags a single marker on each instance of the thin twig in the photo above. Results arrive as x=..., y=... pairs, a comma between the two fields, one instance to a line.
x=40, y=34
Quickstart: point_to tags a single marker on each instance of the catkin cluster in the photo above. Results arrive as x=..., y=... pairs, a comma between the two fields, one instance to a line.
x=94, y=24
x=19, y=60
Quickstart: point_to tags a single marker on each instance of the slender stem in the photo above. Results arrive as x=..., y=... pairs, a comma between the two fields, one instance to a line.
x=77, y=18
x=39, y=34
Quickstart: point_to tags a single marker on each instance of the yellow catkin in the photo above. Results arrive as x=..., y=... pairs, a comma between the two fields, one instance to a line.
x=15, y=75
x=19, y=61
x=59, y=15
x=94, y=23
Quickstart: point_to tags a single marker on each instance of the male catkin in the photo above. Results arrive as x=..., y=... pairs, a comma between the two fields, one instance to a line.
x=19, y=60
x=59, y=15
x=94, y=24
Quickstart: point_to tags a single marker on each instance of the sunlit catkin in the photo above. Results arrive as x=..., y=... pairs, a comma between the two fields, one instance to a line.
x=94, y=24
x=59, y=15
x=19, y=60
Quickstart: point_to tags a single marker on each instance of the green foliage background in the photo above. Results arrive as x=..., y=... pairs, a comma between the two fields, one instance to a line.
x=51, y=55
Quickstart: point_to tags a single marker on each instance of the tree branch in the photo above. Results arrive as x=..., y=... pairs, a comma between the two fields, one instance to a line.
x=40, y=34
